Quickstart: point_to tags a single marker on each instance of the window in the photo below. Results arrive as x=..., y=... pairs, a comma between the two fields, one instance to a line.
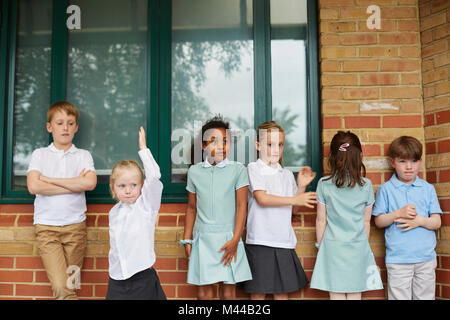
x=31, y=90
x=288, y=21
x=211, y=72
x=166, y=65
x=107, y=79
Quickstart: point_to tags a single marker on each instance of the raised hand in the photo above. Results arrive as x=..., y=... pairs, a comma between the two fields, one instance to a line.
x=142, y=140
x=305, y=177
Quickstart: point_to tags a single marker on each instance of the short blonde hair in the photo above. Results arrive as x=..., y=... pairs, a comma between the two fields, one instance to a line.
x=267, y=127
x=65, y=106
x=116, y=172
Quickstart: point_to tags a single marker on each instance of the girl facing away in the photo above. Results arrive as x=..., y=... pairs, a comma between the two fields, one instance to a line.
x=345, y=265
x=132, y=227
x=215, y=216
x=273, y=197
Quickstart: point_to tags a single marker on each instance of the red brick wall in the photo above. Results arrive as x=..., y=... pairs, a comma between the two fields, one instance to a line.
x=371, y=83
x=435, y=31
x=22, y=275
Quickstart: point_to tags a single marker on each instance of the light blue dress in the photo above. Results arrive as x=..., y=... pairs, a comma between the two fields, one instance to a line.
x=215, y=187
x=345, y=262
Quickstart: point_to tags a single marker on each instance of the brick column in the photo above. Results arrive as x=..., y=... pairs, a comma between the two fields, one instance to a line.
x=434, y=32
x=371, y=85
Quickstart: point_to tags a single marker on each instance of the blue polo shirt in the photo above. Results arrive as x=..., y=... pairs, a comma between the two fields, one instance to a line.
x=418, y=244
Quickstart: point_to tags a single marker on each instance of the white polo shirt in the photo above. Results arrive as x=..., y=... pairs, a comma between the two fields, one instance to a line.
x=132, y=226
x=64, y=209
x=270, y=226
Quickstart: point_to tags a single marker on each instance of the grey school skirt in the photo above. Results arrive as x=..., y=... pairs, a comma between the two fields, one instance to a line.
x=274, y=270
x=143, y=285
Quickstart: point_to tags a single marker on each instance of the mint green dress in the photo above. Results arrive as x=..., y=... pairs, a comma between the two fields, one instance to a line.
x=345, y=262
x=215, y=188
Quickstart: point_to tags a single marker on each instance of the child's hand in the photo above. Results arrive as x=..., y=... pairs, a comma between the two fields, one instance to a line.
x=407, y=212
x=305, y=177
x=307, y=199
x=142, y=141
x=409, y=224
x=84, y=172
x=188, y=248
x=230, y=251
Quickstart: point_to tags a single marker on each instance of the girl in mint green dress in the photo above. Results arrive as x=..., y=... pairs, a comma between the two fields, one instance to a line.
x=345, y=265
x=215, y=216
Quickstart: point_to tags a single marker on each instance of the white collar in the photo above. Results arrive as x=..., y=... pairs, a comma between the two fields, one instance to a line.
x=221, y=164
x=72, y=149
x=268, y=168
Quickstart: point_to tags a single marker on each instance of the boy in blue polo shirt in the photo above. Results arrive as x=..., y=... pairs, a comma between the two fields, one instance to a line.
x=408, y=208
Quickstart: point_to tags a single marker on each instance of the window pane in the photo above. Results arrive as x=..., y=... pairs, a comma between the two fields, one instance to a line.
x=289, y=77
x=212, y=73
x=31, y=85
x=107, y=79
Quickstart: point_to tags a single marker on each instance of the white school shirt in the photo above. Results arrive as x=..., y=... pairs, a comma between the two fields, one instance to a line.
x=63, y=209
x=132, y=226
x=270, y=226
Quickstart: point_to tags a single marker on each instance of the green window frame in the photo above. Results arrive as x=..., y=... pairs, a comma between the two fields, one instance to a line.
x=159, y=90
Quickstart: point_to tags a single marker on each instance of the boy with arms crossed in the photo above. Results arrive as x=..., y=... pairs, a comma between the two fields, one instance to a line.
x=59, y=175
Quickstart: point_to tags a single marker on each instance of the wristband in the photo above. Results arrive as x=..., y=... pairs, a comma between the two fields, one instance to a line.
x=317, y=245
x=183, y=242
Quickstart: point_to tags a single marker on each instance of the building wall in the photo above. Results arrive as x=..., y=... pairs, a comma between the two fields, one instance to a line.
x=435, y=31
x=371, y=84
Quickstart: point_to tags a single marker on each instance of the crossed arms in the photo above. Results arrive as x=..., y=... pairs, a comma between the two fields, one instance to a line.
x=40, y=184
